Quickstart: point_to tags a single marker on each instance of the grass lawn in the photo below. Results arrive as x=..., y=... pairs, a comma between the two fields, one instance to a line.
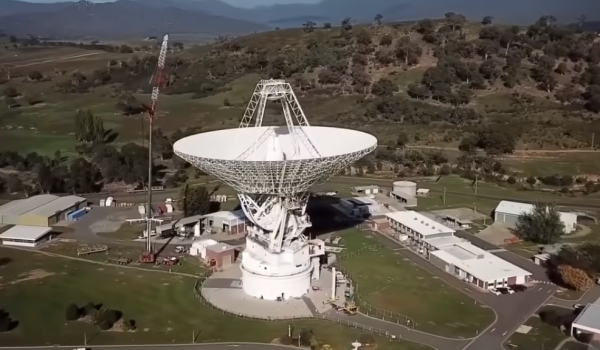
x=36, y=289
x=388, y=282
x=187, y=263
x=541, y=336
x=573, y=345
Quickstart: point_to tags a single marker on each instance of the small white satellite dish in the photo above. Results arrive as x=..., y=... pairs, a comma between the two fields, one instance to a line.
x=356, y=345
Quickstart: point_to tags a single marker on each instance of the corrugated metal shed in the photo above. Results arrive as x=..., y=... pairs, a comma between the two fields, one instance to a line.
x=513, y=208
x=58, y=205
x=22, y=206
x=28, y=233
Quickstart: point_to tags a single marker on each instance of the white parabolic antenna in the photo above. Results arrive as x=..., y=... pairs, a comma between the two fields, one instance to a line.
x=272, y=168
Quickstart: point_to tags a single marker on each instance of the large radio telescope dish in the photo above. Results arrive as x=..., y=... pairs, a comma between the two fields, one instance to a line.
x=272, y=168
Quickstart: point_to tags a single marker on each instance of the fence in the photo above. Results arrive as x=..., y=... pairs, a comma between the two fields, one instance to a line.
x=364, y=306
x=355, y=325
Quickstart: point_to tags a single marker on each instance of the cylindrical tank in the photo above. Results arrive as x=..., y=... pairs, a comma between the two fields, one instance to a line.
x=406, y=187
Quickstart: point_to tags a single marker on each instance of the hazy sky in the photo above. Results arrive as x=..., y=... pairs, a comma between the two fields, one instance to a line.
x=240, y=3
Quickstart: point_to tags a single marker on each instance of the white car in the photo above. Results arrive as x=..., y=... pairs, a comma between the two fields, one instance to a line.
x=495, y=291
x=510, y=290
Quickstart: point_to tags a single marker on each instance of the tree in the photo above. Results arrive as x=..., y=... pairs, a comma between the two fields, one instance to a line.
x=88, y=127
x=575, y=278
x=487, y=20
x=384, y=87
x=378, y=19
x=11, y=92
x=309, y=26
x=542, y=225
x=195, y=200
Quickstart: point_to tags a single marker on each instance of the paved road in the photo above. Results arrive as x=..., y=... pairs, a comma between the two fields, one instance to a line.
x=517, y=152
x=351, y=181
x=205, y=346
x=511, y=310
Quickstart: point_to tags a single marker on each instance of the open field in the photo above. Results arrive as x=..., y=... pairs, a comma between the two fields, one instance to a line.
x=36, y=289
x=187, y=263
x=388, y=282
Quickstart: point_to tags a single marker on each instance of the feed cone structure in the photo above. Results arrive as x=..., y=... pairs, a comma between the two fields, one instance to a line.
x=272, y=168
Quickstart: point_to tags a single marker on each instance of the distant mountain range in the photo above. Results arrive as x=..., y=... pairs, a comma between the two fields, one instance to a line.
x=123, y=19
x=134, y=18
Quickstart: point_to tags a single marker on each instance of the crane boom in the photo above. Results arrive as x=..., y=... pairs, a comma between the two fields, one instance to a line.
x=158, y=78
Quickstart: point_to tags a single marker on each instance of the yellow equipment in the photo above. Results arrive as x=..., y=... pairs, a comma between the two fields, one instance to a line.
x=350, y=309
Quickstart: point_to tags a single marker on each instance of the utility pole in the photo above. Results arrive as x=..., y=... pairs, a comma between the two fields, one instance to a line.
x=593, y=137
x=476, y=182
x=444, y=197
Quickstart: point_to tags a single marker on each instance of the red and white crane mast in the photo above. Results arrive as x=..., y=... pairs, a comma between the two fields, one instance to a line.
x=158, y=80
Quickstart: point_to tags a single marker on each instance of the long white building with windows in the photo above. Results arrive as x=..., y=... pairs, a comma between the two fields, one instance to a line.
x=457, y=256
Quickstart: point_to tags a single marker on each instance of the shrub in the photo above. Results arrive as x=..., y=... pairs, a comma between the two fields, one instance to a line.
x=511, y=180
x=112, y=316
x=286, y=340
x=105, y=325
x=129, y=325
x=72, y=312
x=5, y=323
x=366, y=339
x=90, y=308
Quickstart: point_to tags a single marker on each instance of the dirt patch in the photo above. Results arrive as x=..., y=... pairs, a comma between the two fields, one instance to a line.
x=30, y=276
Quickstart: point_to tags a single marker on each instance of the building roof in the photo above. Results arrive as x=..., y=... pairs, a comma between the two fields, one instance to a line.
x=419, y=222
x=27, y=233
x=589, y=319
x=513, y=208
x=518, y=208
x=229, y=215
x=362, y=188
x=423, y=190
x=57, y=205
x=220, y=247
x=187, y=221
x=479, y=263
x=22, y=206
x=442, y=242
x=360, y=201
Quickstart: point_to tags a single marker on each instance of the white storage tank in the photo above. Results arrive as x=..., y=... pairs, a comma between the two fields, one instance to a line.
x=406, y=187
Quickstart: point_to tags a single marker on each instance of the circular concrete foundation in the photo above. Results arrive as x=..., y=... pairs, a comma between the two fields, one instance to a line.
x=224, y=290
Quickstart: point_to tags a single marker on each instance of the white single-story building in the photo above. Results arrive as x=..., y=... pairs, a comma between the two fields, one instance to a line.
x=475, y=265
x=417, y=227
x=508, y=213
x=453, y=254
x=588, y=320
x=26, y=236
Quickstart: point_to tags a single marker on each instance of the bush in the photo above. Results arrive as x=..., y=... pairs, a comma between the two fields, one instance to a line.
x=90, y=308
x=112, y=316
x=5, y=323
x=286, y=340
x=72, y=313
x=105, y=325
x=511, y=180
x=129, y=325
x=366, y=339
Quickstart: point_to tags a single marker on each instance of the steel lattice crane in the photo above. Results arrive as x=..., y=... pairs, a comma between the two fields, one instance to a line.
x=158, y=81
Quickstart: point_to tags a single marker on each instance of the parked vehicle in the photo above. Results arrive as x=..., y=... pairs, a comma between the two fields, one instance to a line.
x=518, y=288
x=503, y=290
x=495, y=291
